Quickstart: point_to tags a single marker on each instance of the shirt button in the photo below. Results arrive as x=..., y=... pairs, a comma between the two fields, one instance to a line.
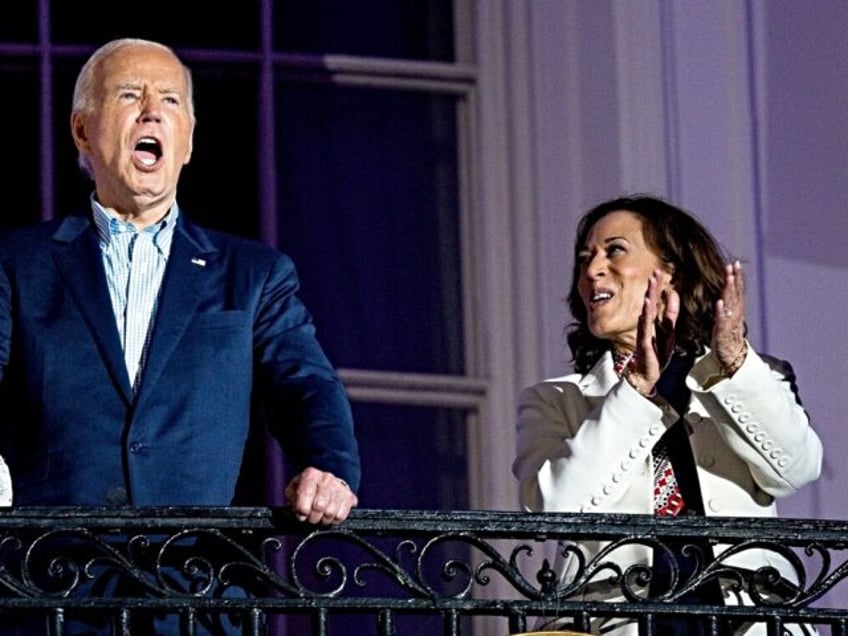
x=694, y=418
x=707, y=461
x=136, y=448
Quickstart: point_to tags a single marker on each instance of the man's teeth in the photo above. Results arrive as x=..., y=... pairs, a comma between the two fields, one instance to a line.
x=601, y=296
x=148, y=161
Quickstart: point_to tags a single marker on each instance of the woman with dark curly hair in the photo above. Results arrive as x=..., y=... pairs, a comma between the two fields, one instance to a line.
x=670, y=410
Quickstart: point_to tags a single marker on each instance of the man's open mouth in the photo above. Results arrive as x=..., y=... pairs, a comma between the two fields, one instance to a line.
x=147, y=151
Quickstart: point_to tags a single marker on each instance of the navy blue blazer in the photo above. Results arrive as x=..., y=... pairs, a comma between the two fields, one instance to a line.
x=230, y=336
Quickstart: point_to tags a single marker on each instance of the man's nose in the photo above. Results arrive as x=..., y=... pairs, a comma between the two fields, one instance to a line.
x=149, y=109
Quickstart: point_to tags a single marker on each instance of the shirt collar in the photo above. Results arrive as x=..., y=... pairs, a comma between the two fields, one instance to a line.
x=107, y=223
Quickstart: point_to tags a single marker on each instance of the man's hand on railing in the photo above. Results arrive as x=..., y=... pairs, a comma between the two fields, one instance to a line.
x=317, y=496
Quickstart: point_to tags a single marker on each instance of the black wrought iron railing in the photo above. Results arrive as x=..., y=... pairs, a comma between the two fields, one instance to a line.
x=399, y=573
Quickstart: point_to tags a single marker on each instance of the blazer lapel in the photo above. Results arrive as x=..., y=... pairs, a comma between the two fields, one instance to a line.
x=181, y=293
x=77, y=256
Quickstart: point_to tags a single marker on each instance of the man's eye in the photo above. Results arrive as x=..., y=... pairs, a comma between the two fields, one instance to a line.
x=171, y=100
x=127, y=96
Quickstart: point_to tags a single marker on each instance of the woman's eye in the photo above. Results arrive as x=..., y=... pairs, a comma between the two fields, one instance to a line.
x=613, y=250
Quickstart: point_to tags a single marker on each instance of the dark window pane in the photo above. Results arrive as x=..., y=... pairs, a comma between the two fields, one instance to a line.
x=218, y=188
x=413, y=457
x=71, y=187
x=369, y=211
x=379, y=28
x=19, y=162
x=187, y=23
x=19, y=22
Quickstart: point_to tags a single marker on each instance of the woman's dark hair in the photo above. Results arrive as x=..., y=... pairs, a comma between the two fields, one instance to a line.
x=693, y=256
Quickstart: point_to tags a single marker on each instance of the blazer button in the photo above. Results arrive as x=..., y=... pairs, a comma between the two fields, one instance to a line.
x=607, y=489
x=137, y=447
x=694, y=418
x=708, y=461
x=714, y=505
x=751, y=428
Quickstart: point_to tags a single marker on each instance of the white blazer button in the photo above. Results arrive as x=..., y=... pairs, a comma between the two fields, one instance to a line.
x=766, y=445
x=714, y=505
x=776, y=453
x=735, y=408
x=607, y=489
x=617, y=477
x=759, y=437
x=783, y=462
x=751, y=428
x=596, y=501
x=656, y=429
x=743, y=418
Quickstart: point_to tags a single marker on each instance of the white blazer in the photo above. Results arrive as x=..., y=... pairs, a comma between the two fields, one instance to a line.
x=585, y=441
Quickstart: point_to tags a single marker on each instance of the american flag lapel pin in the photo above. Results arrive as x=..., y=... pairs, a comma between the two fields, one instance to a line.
x=199, y=262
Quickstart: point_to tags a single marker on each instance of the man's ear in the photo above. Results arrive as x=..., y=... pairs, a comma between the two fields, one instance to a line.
x=79, y=132
x=190, y=146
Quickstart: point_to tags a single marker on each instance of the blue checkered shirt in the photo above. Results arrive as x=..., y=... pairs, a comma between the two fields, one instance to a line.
x=134, y=262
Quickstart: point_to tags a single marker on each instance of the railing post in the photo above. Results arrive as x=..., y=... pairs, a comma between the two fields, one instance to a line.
x=385, y=623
